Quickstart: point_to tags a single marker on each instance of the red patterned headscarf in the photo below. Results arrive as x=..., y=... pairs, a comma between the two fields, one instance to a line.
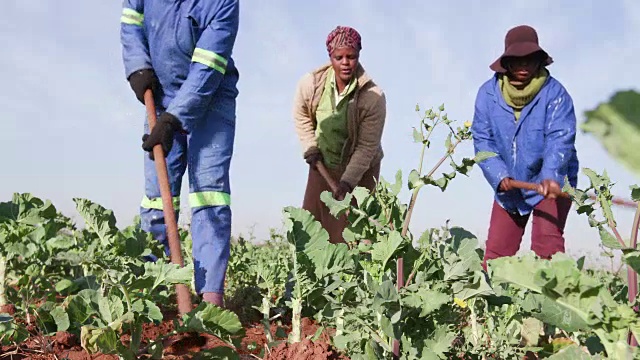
x=343, y=36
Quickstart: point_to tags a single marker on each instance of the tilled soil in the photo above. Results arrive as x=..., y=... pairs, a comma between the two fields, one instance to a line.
x=305, y=350
x=65, y=345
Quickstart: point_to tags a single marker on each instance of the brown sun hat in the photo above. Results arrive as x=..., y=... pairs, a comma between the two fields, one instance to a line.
x=520, y=41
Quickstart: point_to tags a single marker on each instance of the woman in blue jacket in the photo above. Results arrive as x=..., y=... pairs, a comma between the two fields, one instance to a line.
x=527, y=118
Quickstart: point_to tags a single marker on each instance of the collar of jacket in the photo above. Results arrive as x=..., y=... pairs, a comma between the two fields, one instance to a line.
x=497, y=94
x=320, y=75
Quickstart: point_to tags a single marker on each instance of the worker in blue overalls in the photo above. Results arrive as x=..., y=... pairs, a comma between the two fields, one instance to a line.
x=181, y=50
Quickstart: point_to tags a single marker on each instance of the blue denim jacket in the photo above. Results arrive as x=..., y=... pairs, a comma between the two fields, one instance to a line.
x=541, y=145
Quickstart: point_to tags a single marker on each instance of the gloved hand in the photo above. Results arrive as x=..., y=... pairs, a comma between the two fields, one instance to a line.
x=505, y=185
x=162, y=133
x=343, y=189
x=312, y=156
x=549, y=189
x=142, y=80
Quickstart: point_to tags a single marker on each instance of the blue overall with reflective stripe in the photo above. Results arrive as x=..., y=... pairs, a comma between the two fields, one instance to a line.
x=188, y=43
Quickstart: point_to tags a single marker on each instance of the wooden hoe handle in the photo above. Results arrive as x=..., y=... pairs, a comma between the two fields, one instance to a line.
x=536, y=187
x=325, y=174
x=532, y=186
x=182, y=291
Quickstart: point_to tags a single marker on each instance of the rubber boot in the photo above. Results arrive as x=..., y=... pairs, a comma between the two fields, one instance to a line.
x=215, y=298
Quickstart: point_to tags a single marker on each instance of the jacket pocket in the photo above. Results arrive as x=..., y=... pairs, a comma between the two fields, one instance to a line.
x=187, y=33
x=533, y=146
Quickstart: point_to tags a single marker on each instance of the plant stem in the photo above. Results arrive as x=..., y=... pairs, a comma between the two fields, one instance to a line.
x=632, y=276
x=421, y=260
x=127, y=298
x=449, y=152
x=405, y=226
x=635, y=228
x=3, y=265
x=266, y=310
x=414, y=195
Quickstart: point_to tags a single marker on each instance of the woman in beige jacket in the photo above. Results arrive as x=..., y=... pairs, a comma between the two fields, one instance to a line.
x=339, y=114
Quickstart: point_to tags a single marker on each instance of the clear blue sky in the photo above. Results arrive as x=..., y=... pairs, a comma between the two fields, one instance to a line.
x=71, y=126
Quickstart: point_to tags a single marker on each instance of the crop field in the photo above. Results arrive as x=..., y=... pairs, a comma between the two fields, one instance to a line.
x=87, y=293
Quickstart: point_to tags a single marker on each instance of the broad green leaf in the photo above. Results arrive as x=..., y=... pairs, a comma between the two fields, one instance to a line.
x=98, y=220
x=209, y=318
x=153, y=311
x=61, y=242
x=61, y=318
x=439, y=344
x=465, y=244
x=308, y=237
x=635, y=193
x=561, y=314
x=483, y=155
x=594, y=178
x=95, y=340
x=572, y=352
x=476, y=286
x=465, y=259
x=616, y=124
x=387, y=327
x=105, y=311
x=532, y=328
x=10, y=332
x=417, y=136
x=37, y=235
x=342, y=341
x=415, y=180
x=608, y=239
x=425, y=238
x=386, y=247
x=386, y=293
x=111, y=308
x=632, y=258
x=360, y=194
x=447, y=142
x=397, y=186
x=336, y=208
x=27, y=209
x=82, y=306
x=563, y=295
x=65, y=285
x=162, y=273
x=426, y=300
x=134, y=247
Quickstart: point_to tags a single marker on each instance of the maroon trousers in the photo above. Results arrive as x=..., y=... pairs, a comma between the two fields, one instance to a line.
x=312, y=203
x=547, y=234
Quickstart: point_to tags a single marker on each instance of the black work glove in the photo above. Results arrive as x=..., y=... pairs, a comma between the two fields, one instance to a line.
x=312, y=156
x=142, y=80
x=162, y=133
x=343, y=189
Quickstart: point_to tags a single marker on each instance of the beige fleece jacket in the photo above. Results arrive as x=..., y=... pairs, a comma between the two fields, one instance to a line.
x=366, y=113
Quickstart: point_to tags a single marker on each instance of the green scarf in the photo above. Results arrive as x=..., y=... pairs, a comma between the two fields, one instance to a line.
x=518, y=99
